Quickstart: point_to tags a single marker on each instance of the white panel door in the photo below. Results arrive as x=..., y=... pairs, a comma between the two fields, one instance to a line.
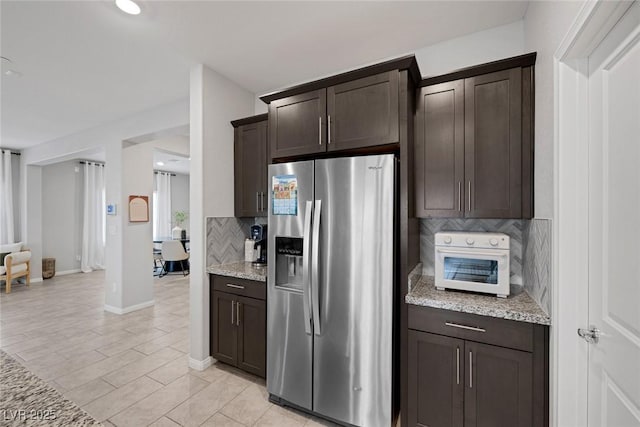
x=614, y=226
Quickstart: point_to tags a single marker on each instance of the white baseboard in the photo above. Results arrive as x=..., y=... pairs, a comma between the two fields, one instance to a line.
x=65, y=272
x=200, y=365
x=117, y=310
x=35, y=280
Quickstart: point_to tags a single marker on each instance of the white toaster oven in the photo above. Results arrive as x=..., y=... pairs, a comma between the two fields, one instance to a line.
x=476, y=262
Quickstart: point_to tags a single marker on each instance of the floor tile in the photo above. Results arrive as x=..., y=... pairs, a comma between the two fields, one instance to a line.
x=103, y=367
x=154, y=406
x=248, y=406
x=171, y=371
x=164, y=422
x=89, y=391
x=198, y=408
x=274, y=418
x=142, y=366
x=119, y=399
x=219, y=420
x=61, y=330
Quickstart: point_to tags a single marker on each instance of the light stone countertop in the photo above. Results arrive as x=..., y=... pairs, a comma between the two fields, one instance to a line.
x=241, y=270
x=518, y=306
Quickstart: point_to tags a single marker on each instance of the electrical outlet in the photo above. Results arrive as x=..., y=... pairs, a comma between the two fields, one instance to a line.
x=78, y=258
x=114, y=288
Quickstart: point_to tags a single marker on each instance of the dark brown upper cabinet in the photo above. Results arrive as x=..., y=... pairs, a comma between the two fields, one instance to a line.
x=250, y=166
x=354, y=112
x=439, y=150
x=363, y=112
x=298, y=125
x=474, y=142
x=493, y=144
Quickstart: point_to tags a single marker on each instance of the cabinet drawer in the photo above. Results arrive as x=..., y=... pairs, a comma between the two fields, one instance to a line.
x=233, y=285
x=489, y=330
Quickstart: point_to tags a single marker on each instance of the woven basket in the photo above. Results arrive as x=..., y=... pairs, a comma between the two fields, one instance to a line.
x=48, y=268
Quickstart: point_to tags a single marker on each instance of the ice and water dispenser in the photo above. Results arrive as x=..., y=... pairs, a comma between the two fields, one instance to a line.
x=289, y=258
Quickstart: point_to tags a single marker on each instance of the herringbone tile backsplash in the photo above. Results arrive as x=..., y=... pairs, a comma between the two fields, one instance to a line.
x=225, y=239
x=512, y=227
x=537, y=261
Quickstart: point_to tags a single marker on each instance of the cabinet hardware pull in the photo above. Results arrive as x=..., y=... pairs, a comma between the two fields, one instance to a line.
x=320, y=130
x=329, y=128
x=471, y=328
x=458, y=365
x=469, y=207
x=231, y=285
x=459, y=195
x=233, y=304
x=262, y=199
x=238, y=314
x=470, y=369
x=257, y=201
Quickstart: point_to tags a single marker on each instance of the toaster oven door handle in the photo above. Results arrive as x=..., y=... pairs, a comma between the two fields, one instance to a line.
x=502, y=254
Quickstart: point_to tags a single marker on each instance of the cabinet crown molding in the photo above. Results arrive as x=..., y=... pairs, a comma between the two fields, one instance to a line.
x=408, y=62
x=526, y=60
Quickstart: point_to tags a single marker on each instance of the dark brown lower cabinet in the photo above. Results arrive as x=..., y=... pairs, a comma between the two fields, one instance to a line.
x=224, y=343
x=455, y=381
x=436, y=380
x=238, y=324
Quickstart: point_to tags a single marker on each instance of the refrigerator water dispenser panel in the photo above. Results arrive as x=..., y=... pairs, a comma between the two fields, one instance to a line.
x=289, y=258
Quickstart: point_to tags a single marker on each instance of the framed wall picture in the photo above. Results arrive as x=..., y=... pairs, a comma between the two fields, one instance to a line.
x=138, y=208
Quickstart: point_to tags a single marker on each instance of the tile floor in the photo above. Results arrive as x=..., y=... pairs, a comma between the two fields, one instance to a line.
x=129, y=370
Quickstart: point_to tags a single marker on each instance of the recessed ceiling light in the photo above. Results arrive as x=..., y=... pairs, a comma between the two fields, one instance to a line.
x=160, y=163
x=128, y=6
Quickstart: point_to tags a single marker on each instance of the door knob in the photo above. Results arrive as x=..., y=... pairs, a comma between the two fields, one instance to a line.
x=591, y=335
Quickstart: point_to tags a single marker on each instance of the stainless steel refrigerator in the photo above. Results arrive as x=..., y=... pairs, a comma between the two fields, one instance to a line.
x=330, y=287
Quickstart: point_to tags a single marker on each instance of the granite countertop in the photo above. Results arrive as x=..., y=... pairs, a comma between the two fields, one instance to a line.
x=241, y=270
x=519, y=306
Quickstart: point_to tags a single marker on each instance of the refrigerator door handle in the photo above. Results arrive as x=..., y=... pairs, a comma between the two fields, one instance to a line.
x=306, y=276
x=315, y=280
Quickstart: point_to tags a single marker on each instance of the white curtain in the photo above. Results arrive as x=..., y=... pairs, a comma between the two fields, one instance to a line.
x=162, y=214
x=93, y=228
x=6, y=198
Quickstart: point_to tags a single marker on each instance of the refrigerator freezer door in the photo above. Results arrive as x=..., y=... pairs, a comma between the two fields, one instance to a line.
x=352, y=378
x=289, y=346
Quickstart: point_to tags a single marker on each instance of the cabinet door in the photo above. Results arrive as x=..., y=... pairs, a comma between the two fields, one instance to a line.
x=440, y=150
x=224, y=333
x=436, y=380
x=252, y=335
x=297, y=124
x=363, y=112
x=498, y=389
x=250, y=172
x=493, y=145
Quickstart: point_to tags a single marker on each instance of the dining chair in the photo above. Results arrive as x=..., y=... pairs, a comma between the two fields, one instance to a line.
x=172, y=250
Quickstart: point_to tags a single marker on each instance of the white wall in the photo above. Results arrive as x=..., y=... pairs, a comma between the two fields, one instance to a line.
x=62, y=225
x=15, y=184
x=473, y=49
x=137, y=244
x=545, y=25
x=180, y=197
x=214, y=102
x=31, y=200
x=107, y=138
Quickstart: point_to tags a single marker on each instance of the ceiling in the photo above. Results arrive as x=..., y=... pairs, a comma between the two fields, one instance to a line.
x=86, y=63
x=171, y=162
